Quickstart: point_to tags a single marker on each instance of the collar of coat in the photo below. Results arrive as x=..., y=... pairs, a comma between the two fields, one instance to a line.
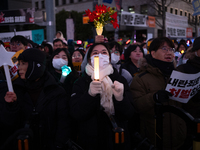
x=146, y=67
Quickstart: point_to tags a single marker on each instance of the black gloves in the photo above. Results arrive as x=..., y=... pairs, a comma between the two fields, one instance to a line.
x=162, y=96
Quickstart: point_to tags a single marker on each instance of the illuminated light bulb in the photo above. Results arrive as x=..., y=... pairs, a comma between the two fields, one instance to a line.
x=182, y=51
x=96, y=68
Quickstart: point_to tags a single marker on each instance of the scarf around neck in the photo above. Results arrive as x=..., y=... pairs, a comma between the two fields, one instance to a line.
x=165, y=67
x=106, y=96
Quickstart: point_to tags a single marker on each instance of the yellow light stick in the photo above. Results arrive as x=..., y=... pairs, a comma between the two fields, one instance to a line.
x=96, y=68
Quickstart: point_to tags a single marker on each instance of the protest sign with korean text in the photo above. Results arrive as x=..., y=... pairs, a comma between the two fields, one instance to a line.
x=133, y=19
x=183, y=86
x=176, y=25
x=21, y=16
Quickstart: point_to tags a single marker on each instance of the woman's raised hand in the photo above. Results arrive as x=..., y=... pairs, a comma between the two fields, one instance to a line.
x=118, y=90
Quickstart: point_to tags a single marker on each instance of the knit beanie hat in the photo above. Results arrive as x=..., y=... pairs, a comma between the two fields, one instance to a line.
x=36, y=63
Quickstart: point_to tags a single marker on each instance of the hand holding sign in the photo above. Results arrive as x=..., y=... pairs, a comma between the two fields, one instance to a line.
x=5, y=61
x=183, y=86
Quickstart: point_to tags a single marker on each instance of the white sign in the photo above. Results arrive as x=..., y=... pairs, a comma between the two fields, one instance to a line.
x=176, y=20
x=133, y=19
x=183, y=86
x=6, y=37
x=5, y=60
x=70, y=29
x=175, y=32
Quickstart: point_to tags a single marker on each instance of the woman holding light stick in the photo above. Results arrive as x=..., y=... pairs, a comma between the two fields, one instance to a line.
x=94, y=101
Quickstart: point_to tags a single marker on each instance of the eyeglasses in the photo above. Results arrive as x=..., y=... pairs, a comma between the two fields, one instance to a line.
x=15, y=44
x=165, y=49
x=115, y=52
x=76, y=56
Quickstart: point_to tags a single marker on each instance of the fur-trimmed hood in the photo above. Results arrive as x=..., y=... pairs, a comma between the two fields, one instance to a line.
x=190, y=54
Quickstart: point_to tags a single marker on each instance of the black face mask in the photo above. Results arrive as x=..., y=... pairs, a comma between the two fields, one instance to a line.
x=165, y=67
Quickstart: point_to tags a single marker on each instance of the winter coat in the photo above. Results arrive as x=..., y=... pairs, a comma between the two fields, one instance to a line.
x=143, y=87
x=68, y=82
x=48, y=118
x=3, y=89
x=95, y=129
x=131, y=68
x=192, y=66
x=123, y=72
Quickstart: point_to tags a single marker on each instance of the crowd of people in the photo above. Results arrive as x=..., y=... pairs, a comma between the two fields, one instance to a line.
x=83, y=112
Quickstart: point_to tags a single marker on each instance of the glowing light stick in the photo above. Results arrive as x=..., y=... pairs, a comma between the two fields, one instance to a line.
x=96, y=68
x=65, y=71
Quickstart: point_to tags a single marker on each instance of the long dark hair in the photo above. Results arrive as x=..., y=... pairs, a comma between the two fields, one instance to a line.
x=57, y=51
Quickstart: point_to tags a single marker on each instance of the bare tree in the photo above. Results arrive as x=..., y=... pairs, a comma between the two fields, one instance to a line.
x=158, y=10
x=192, y=20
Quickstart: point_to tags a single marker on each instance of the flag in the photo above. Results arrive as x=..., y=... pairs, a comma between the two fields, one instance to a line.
x=107, y=1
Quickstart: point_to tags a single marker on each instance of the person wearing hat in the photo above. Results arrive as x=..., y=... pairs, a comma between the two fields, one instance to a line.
x=132, y=54
x=148, y=88
x=93, y=102
x=77, y=59
x=78, y=55
x=192, y=66
x=39, y=102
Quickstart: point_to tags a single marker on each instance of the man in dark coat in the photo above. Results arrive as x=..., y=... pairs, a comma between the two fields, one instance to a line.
x=192, y=66
x=39, y=102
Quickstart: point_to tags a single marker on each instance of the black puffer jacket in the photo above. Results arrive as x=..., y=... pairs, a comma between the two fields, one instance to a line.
x=95, y=129
x=3, y=89
x=48, y=118
x=192, y=66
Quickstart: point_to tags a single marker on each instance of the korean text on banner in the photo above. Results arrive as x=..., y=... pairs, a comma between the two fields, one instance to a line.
x=135, y=19
x=183, y=86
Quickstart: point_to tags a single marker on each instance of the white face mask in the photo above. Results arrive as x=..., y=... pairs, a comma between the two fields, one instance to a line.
x=58, y=63
x=103, y=61
x=145, y=51
x=114, y=58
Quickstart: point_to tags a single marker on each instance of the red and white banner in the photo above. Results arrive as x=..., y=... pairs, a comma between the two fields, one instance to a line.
x=183, y=86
